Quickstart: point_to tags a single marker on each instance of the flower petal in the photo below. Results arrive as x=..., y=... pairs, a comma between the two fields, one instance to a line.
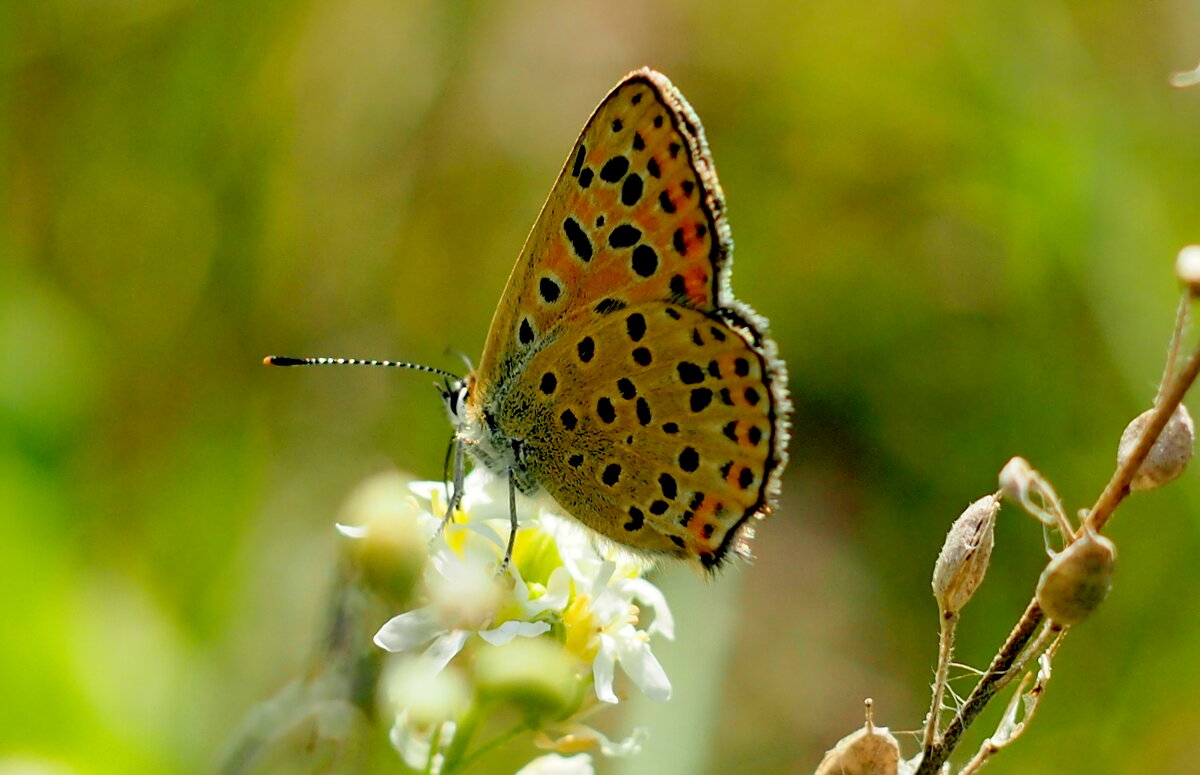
x=511, y=629
x=408, y=630
x=654, y=599
x=602, y=670
x=553, y=764
x=444, y=648
x=640, y=664
x=350, y=531
x=414, y=744
x=557, y=594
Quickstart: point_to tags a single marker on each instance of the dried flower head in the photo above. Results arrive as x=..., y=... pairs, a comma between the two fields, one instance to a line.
x=1022, y=483
x=963, y=561
x=1077, y=579
x=871, y=750
x=1187, y=268
x=1171, y=451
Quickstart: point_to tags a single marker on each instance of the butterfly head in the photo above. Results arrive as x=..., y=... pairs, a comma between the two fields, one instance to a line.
x=455, y=393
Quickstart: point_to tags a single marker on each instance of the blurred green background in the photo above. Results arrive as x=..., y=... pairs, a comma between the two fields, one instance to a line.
x=960, y=217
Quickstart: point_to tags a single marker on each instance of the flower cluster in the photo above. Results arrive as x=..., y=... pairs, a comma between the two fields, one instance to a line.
x=542, y=642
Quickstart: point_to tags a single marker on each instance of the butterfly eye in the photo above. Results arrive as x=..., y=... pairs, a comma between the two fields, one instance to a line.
x=455, y=396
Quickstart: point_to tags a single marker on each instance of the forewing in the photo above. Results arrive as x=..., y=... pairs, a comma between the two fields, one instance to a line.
x=635, y=215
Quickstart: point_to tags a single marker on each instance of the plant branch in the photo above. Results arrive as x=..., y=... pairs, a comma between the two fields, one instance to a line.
x=1113, y=494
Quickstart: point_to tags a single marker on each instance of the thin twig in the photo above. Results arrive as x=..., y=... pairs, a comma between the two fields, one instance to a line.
x=945, y=653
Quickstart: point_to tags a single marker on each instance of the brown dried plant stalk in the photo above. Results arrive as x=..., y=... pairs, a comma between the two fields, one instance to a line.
x=1015, y=653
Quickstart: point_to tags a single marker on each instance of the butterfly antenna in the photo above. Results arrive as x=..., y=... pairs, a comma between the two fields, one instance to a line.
x=287, y=360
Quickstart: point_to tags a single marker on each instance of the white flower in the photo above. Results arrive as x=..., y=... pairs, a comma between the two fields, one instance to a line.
x=553, y=764
x=608, y=619
x=591, y=592
x=415, y=742
x=575, y=736
x=564, y=584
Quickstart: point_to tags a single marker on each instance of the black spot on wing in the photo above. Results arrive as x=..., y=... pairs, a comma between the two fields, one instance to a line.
x=549, y=290
x=578, y=239
x=645, y=260
x=631, y=190
x=586, y=349
x=635, y=326
x=614, y=169
x=643, y=412
x=605, y=306
x=624, y=236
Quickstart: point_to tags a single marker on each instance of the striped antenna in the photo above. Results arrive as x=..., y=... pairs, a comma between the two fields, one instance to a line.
x=287, y=360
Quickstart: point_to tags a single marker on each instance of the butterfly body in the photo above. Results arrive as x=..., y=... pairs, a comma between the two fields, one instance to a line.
x=620, y=375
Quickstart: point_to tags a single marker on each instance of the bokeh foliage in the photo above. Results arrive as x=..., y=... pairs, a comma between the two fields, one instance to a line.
x=959, y=217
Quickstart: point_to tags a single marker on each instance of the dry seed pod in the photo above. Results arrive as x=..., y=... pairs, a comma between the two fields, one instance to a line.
x=1077, y=579
x=963, y=561
x=871, y=750
x=1170, y=453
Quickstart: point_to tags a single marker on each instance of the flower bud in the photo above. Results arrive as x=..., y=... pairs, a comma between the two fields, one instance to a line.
x=964, y=558
x=1021, y=483
x=1015, y=478
x=428, y=694
x=1187, y=268
x=386, y=543
x=535, y=674
x=871, y=750
x=1170, y=453
x=1077, y=579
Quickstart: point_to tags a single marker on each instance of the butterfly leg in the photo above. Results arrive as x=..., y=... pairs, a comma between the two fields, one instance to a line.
x=455, y=453
x=512, y=532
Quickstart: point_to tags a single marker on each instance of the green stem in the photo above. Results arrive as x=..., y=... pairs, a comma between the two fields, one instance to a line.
x=494, y=743
x=435, y=742
x=462, y=737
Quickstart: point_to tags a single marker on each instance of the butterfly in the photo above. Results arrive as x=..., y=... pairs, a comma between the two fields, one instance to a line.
x=620, y=375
